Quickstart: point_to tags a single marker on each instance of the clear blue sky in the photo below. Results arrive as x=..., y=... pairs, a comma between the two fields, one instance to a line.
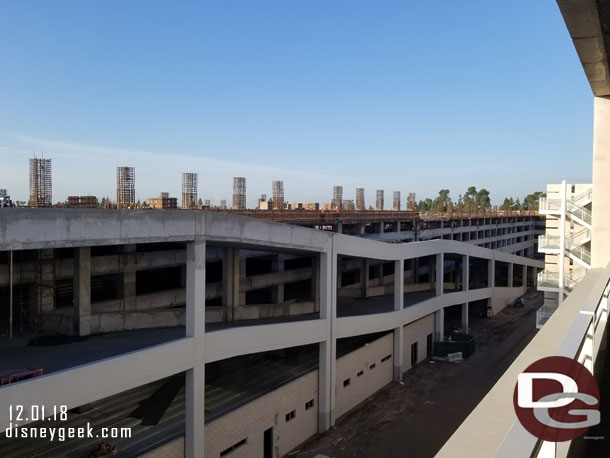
x=396, y=95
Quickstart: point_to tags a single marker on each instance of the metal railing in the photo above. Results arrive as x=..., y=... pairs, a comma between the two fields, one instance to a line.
x=548, y=242
x=543, y=314
x=583, y=196
x=579, y=212
x=550, y=278
x=582, y=253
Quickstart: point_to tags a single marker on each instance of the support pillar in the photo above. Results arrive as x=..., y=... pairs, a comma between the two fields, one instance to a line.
x=511, y=273
x=339, y=228
x=230, y=282
x=315, y=282
x=364, y=278
x=399, y=284
x=491, y=273
x=524, y=276
x=278, y=267
x=82, y=291
x=328, y=347
x=439, y=325
x=600, y=233
x=396, y=226
x=398, y=353
x=130, y=266
x=439, y=273
x=465, y=272
x=465, y=318
x=195, y=328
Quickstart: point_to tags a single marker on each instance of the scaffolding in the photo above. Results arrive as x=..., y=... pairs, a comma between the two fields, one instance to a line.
x=337, y=202
x=360, y=199
x=379, y=200
x=40, y=183
x=396, y=201
x=411, y=201
x=125, y=187
x=278, y=194
x=189, y=190
x=239, y=193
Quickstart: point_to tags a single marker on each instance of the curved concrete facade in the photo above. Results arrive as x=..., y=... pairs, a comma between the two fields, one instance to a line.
x=54, y=228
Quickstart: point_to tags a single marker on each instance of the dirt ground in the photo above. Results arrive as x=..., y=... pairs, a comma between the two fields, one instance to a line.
x=415, y=419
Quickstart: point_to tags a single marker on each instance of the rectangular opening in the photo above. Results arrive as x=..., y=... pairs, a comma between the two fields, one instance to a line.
x=347, y=382
x=372, y=366
x=290, y=415
x=414, y=357
x=385, y=358
x=429, y=345
x=234, y=447
x=268, y=443
x=309, y=404
x=360, y=373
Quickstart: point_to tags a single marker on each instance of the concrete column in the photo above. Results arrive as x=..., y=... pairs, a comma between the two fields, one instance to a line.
x=362, y=232
x=278, y=266
x=465, y=318
x=465, y=272
x=195, y=328
x=130, y=267
x=82, y=291
x=600, y=234
x=339, y=228
x=396, y=226
x=524, y=279
x=399, y=284
x=439, y=325
x=328, y=347
x=230, y=281
x=315, y=282
x=511, y=273
x=46, y=283
x=491, y=273
x=364, y=277
x=380, y=227
x=439, y=273
x=398, y=353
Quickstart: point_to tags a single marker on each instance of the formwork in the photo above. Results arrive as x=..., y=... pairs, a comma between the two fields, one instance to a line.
x=396, y=201
x=411, y=201
x=40, y=183
x=278, y=194
x=239, y=193
x=189, y=190
x=379, y=200
x=337, y=202
x=125, y=187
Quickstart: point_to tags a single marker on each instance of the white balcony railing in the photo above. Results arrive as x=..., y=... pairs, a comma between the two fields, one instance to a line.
x=575, y=330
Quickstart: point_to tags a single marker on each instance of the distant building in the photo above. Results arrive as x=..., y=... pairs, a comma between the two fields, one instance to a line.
x=164, y=202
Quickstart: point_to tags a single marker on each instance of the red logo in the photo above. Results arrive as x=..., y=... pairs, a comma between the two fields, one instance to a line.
x=557, y=399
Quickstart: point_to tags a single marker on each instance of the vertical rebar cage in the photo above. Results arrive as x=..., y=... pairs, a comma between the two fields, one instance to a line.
x=396, y=201
x=41, y=183
x=189, y=190
x=239, y=193
x=125, y=187
x=278, y=194
x=379, y=200
x=360, y=199
x=337, y=197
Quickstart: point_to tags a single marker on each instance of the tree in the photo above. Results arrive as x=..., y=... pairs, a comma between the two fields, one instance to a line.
x=442, y=200
x=200, y=203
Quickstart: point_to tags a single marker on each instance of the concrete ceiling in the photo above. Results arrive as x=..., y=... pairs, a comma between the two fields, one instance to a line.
x=588, y=22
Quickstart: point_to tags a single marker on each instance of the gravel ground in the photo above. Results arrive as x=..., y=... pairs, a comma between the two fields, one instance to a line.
x=415, y=419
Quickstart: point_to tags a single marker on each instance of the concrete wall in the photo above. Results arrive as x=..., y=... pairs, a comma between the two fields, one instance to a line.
x=173, y=449
x=250, y=421
x=372, y=378
x=417, y=332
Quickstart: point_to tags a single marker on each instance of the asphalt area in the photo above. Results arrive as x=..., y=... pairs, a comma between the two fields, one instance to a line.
x=415, y=419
